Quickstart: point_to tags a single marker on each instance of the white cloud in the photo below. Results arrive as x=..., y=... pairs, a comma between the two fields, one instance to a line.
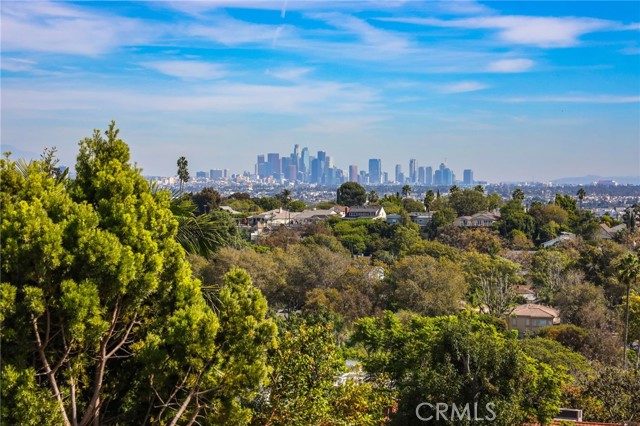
x=188, y=69
x=60, y=28
x=381, y=40
x=220, y=97
x=462, y=87
x=587, y=99
x=510, y=65
x=16, y=64
x=526, y=30
x=289, y=74
x=234, y=32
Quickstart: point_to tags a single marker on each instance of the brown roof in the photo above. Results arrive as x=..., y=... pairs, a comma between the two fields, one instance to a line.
x=535, y=311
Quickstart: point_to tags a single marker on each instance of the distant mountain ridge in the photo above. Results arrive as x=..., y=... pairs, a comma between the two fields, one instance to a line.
x=586, y=180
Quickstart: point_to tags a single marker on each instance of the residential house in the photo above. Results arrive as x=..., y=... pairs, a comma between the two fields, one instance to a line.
x=482, y=219
x=564, y=236
x=530, y=317
x=314, y=216
x=394, y=218
x=366, y=212
x=606, y=233
x=526, y=292
x=272, y=217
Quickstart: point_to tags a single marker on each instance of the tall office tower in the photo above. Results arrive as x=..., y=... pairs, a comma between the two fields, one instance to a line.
x=305, y=164
x=201, y=174
x=421, y=175
x=375, y=170
x=467, y=177
x=260, y=167
x=321, y=167
x=362, y=178
x=274, y=165
x=446, y=175
x=353, y=173
x=216, y=174
x=285, y=162
x=412, y=170
x=400, y=178
x=316, y=171
x=385, y=177
x=398, y=173
x=437, y=178
x=292, y=172
x=428, y=176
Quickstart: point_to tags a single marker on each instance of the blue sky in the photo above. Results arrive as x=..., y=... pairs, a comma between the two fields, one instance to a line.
x=513, y=90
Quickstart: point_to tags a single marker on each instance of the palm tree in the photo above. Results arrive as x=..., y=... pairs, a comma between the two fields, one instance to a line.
x=373, y=196
x=406, y=190
x=284, y=197
x=581, y=194
x=518, y=195
x=628, y=272
x=479, y=188
x=183, y=172
x=429, y=198
x=454, y=189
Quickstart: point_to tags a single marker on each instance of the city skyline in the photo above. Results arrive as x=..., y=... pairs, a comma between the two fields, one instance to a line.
x=516, y=91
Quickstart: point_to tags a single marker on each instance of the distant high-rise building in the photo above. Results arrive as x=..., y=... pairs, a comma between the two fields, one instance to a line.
x=421, y=175
x=437, y=178
x=362, y=178
x=413, y=164
x=398, y=173
x=305, y=164
x=216, y=174
x=467, y=177
x=353, y=173
x=275, y=168
x=385, y=177
x=201, y=174
x=428, y=176
x=375, y=170
x=445, y=175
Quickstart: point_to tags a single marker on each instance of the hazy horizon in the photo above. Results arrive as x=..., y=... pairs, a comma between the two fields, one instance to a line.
x=513, y=90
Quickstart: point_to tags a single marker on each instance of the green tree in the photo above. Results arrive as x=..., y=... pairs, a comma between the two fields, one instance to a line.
x=581, y=194
x=628, y=271
x=106, y=317
x=429, y=198
x=207, y=200
x=513, y=217
x=443, y=217
x=492, y=280
x=406, y=191
x=373, y=197
x=428, y=286
x=460, y=359
x=183, y=171
x=518, y=195
x=479, y=188
x=284, y=197
x=297, y=206
x=454, y=189
x=467, y=202
x=351, y=194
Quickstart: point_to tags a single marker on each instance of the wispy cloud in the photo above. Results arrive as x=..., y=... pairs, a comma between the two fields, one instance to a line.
x=527, y=30
x=16, y=64
x=234, y=32
x=188, y=69
x=289, y=74
x=382, y=40
x=587, y=99
x=510, y=65
x=305, y=98
x=62, y=28
x=462, y=87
